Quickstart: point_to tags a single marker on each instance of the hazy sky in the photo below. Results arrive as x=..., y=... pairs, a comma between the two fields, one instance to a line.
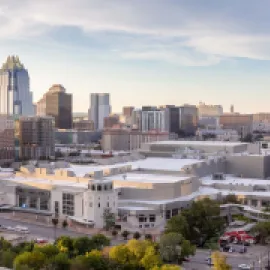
x=144, y=52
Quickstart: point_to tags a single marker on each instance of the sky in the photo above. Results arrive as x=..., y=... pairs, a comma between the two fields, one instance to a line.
x=144, y=52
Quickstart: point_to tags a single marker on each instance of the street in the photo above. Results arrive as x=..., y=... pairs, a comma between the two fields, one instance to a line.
x=252, y=257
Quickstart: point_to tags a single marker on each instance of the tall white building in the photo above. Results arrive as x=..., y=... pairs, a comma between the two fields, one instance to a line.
x=155, y=120
x=99, y=108
x=15, y=95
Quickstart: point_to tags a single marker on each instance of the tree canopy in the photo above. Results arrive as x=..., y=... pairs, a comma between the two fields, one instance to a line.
x=219, y=261
x=200, y=222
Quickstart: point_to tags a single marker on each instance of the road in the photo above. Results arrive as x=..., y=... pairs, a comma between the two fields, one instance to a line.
x=234, y=259
x=40, y=231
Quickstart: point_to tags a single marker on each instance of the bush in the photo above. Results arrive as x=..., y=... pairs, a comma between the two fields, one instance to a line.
x=64, y=224
x=148, y=236
x=136, y=235
x=114, y=233
x=125, y=234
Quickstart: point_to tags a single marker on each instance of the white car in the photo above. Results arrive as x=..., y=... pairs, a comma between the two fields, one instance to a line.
x=244, y=266
x=21, y=229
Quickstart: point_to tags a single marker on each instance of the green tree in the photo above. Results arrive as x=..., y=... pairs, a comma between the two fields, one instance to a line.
x=83, y=244
x=263, y=229
x=34, y=260
x=6, y=258
x=114, y=233
x=125, y=234
x=64, y=224
x=200, y=222
x=170, y=246
x=48, y=250
x=65, y=244
x=60, y=262
x=219, y=262
x=137, y=235
x=109, y=219
x=173, y=247
x=99, y=241
x=167, y=267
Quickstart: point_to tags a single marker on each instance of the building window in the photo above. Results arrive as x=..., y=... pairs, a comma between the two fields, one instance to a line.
x=68, y=204
x=142, y=218
x=56, y=208
x=98, y=204
x=105, y=187
x=108, y=205
x=90, y=204
x=33, y=203
x=152, y=218
x=22, y=201
x=99, y=187
x=168, y=214
x=93, y=187
x=174, y=212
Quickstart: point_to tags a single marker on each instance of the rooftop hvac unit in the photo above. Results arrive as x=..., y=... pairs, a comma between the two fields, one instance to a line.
x=218, y=176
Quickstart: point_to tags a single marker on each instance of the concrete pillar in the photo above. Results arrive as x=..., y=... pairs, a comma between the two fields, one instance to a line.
x=38, y=203
x=249, y=202
x=259, y=203
x=27, y=201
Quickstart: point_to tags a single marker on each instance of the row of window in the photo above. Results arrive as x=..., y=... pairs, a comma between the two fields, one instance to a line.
x=100, y=187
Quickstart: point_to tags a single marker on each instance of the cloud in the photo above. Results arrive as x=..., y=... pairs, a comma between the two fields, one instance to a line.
x=180, y=32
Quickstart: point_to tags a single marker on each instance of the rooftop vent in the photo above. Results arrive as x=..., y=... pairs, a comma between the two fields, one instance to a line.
x=218, y=176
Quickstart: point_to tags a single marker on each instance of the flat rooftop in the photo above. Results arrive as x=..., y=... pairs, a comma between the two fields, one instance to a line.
x=151, y=163
x=198, y=143
x=147, y=178
x=233, y=180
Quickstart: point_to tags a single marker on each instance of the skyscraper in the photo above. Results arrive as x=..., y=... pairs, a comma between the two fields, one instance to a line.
x=99, y=108
x=36, y=137
x=58, y=104
x=15, y=95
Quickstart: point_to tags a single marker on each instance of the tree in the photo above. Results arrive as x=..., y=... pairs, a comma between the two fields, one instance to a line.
x=170, y=246
x=200, y=222
x=34, y=260
x=174, y=248
x=148, y=237
x=121, y=254
x=138, y=248
x=108, y=218
x=65, y=244
x=219, y=261
x=55, y=222
x=248, y=138
x=6, y=258
x=151, y=258
x=48, y=250
x=137, y=235
x=99, y=241
x=59, y=262
x=231, y=198
x=83, y=244
x=125, y=234
x=114, y=233
x=263, y=229
x=64, y=223
x=179, y=225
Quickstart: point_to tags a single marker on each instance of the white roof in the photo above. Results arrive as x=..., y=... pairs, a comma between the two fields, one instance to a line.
x=147, y=178
x=199, y=143
x=151, y=163
x=230, y=179
x=135, y=208
x=201, y=192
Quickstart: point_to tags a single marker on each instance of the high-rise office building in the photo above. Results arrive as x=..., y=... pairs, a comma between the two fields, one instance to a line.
x=7, y=142
x=205, y=110
x=36, y=137
x=15, y=95
x=99, y=109
x=58, y=104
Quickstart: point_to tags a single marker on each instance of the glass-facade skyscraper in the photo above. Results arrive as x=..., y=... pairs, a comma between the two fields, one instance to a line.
x=15, y=96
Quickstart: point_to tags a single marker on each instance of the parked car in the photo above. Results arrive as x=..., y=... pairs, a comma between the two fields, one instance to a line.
x=41, y=241
x=244, y=266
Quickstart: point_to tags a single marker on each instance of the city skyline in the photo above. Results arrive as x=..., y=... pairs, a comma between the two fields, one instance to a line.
x=143, y=53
